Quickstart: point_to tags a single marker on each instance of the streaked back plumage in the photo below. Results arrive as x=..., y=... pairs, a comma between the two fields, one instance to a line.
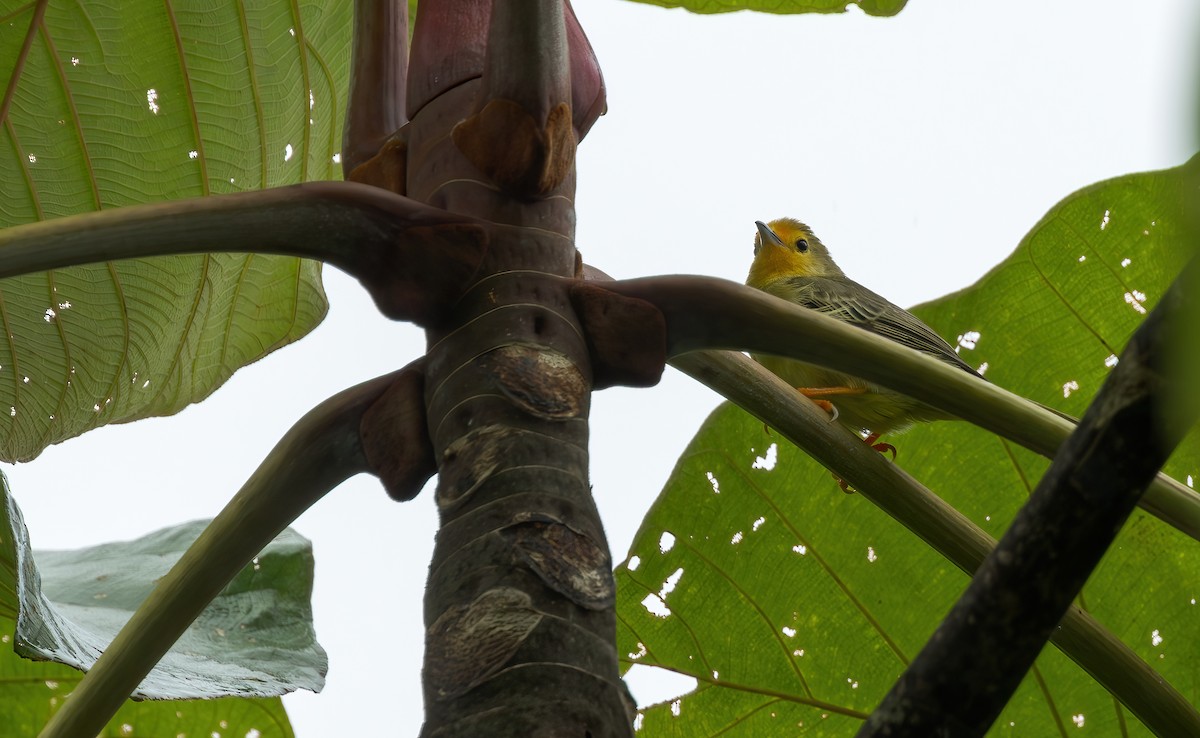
x=806, y=275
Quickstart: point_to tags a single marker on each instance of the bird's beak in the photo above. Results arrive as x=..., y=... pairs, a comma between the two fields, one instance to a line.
x=767, y=236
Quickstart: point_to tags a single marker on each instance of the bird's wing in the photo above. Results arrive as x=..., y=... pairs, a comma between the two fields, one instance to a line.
x=852, y=303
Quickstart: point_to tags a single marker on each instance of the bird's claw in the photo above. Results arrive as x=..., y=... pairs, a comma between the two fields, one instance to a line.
x=870, y=440
x=828, y=407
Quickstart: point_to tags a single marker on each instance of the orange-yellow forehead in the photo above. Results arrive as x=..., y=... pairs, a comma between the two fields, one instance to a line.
x=790, y=229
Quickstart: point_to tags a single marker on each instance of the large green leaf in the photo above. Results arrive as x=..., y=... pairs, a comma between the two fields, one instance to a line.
x=792, y=603
x=109, y=104
x=30, y=692
x=870, y=7
x=256, y=639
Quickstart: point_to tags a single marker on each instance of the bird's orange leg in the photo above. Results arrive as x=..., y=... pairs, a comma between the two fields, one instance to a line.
x=812, y=392
x=818, y=395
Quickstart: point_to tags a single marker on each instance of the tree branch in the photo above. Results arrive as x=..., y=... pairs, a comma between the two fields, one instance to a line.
x=378, y=71
x=521, y=133
x=709, y=313
x=973, y=663
x=321, y=450
x=413, y=259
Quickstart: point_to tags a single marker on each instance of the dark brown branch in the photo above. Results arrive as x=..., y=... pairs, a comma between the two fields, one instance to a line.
x=521, y=133
x=588, y=96
x=414, y=259
x=379, y=65
x=447, y=49
x=395, y=435
x=321, y=450
x=626, y=337
x=526, y=61
x=972, y=664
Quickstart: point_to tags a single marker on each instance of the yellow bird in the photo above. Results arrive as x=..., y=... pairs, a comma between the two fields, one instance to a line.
x=791, y=262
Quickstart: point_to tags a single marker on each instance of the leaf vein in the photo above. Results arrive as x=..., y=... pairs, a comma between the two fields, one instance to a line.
x=298, y=25
x=193, y=115
x=259, y=116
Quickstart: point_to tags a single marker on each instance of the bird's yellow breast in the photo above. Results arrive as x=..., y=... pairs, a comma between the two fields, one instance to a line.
x=771, y=265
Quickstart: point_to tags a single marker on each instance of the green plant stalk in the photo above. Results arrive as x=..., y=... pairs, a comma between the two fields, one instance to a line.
x=708, y=313
x=317, y=220
x=318, y=453
x=1085, y=641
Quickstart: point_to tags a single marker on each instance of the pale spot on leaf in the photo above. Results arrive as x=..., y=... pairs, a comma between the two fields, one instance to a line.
x=666, y=541
x=655, y=606
x=712, y=480
x=969, y=340
x=767, y=461
x=671, y=582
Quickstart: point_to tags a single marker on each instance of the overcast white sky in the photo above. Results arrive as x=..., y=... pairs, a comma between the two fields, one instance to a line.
x=920, y=148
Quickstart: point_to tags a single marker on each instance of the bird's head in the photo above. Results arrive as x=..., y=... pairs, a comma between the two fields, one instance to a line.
x=788, y=248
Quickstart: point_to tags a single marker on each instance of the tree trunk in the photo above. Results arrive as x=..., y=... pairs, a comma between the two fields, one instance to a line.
x=519, y=609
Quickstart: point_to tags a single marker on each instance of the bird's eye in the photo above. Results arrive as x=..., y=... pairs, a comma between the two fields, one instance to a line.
x=801, y=245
